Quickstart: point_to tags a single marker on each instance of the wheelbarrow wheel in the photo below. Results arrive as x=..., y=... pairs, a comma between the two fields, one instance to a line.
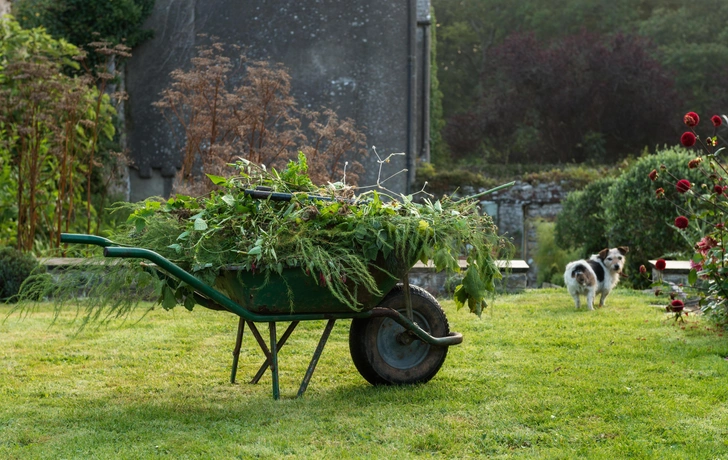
x=385, y=353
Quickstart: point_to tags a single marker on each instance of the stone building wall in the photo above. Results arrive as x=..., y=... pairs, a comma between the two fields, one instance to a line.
x=363, y=59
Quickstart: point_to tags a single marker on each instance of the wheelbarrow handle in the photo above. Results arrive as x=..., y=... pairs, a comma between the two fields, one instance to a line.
x=80, y=238
x=262, y=194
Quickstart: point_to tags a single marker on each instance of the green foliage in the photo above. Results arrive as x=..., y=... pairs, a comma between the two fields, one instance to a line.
x=15, y=268
x=323, y=232
x=634, y=216
x=624, y=211
x=582, y=222
x=690, y=40
x=550, y=259
x=696, y=55
x=52, y=124
x=438, y=148
x=84, y=21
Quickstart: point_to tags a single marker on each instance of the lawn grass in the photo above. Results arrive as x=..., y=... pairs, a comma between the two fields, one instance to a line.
x=533, y=379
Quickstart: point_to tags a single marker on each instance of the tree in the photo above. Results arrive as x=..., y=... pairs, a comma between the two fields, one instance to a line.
x=582, y=97
x=83, y=21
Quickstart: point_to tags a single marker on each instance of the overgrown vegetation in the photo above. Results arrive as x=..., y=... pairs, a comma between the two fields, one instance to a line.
x=53, y=125
x=583, y=97
x=442, y=180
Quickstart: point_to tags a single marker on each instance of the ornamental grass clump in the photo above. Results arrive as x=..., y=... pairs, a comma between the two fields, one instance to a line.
x=331, y=234
x=702, y=211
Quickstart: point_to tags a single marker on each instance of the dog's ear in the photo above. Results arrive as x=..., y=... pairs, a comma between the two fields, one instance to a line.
x=623, y=250
x=603, y=253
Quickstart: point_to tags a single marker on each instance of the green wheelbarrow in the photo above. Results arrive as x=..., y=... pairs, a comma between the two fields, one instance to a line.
x=399, y=337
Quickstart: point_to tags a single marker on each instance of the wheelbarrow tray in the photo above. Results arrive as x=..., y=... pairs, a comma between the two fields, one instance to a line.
x=295, y=291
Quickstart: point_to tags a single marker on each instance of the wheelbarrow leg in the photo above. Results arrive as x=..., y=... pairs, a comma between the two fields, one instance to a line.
x=316, y=356
x=236, y=350
x=264, y=347
x=274, y=360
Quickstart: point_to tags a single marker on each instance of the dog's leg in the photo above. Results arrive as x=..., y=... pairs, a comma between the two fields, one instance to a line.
x=602, y=298
x=576, y=301
x=590, y=300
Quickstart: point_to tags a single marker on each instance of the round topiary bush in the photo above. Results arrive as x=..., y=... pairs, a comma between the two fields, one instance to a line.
x=636, y=217
x=15, y=267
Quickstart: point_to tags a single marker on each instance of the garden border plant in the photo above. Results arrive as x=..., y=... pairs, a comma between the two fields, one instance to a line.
x=702, y=208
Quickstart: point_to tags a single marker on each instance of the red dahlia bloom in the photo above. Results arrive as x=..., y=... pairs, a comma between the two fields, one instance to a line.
x=683, y=185
x=677, y=303
x=692, y=164
x=681, y=222
x=660, y=264
x=691, y=119
x=687, y=139
x=660, y=192
x=717, y=121
x=718, y=190
x=653, y=175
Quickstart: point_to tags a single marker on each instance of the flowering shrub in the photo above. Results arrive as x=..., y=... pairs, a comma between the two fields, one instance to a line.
x=702, y=209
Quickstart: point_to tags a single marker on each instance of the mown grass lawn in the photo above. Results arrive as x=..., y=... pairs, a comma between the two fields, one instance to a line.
x=533, y=379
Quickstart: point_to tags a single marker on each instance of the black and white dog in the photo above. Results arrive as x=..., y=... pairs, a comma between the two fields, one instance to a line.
x=597, y=275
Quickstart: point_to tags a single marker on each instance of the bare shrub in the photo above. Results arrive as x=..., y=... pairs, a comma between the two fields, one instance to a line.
x=257, y=120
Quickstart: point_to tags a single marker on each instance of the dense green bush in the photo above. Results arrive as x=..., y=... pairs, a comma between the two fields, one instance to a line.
x=636, y=218
x=15, y=267
x=582, y=222
x=625, y=212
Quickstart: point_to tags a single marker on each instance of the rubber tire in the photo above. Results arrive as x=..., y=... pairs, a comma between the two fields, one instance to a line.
x=376, y=354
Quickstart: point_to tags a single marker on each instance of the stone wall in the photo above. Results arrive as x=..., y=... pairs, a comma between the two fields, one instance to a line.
x=517, y=209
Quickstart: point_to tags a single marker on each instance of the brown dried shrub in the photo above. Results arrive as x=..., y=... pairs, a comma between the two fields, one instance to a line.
x=257, y=120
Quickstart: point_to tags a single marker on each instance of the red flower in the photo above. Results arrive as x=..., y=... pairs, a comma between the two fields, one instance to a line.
x=692, y=164
x=653, y=175
x=691, y=119
x=705, y=244
x=681, y=222
x=683, y=185
x=717, y=121
x=687, y=139
x=718, y=190
x=643, y=269
x=720, y=225
x=676, y=306
x=660, y=192
x=660, y=264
